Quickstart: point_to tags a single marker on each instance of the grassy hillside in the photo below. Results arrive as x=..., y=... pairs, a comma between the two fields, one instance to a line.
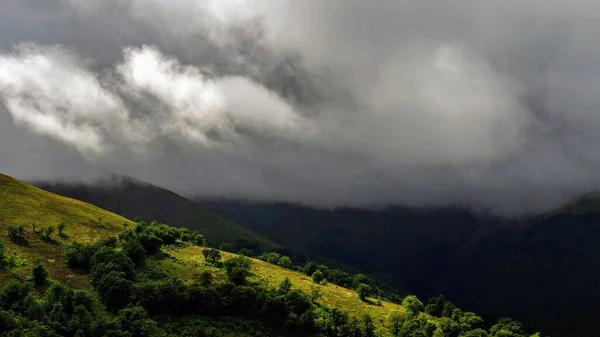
x=188, y=263
x=132, y=198
x=23, y=204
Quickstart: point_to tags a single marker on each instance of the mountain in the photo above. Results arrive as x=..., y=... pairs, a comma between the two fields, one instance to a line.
x=133, y=198
x=545, y=275
x=540, y=270
x=405, y=246
x=130, y=286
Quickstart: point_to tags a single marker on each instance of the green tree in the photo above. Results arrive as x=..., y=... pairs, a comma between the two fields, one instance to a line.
x=39, y=273
x=412, y=304
x=285, y=262
x=115, y=290
x=17, y=234
x=475, y=333
x=364, y=291
x=150, y=242
x=318, y=277
x=310, y=268
x=237, y=269
x=506, y=327
x=211, y=255
x=285, y=286
x=205, y=278
x=368, y=326
x=135, y=251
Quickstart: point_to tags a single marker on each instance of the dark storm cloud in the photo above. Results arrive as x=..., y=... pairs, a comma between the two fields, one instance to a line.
x=492, y=105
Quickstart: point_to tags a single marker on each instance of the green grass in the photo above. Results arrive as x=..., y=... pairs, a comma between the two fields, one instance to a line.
x=24, y=204
x=187, y=263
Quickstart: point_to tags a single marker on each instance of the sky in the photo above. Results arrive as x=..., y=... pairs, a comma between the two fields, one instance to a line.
x=491, y=105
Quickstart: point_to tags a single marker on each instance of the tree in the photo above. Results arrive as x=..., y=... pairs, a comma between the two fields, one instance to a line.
x=205, y=278
x=211, y=255
x=39, y=273
x=506, y=327
x=412, y=304
x=150, y=242
x=136, y=252
x=285, y=262
x=364, y=291
x=17, y=234
x=318, y=277
x=115, y=290
x=310, y=268
x=46, y=233
x=237, y=269
x=271, y=257
x=475, y=333
x=368, y=326
x=285, y=286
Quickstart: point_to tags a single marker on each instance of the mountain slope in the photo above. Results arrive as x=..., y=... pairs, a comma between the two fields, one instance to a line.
x=21, y=203
x=545, y=275
x=407, y=247
x=132, y=198
x=24, y=204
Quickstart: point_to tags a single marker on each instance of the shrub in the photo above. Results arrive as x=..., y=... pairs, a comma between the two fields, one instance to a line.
x=17, y=234
x=39, y=273
x=412, y=304
x=285, y=262
x=237, y=269
x=318, y=277
x=364, y=291
x=211, y=255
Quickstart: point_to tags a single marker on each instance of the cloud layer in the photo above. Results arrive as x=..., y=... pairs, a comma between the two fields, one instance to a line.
x=337, y=103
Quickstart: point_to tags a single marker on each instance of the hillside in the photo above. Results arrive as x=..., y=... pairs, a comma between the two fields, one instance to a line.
x=545, y=275
x=24, y=204
x=132, y=198
x=154, y=280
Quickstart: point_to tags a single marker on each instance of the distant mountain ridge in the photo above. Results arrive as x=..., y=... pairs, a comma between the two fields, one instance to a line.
x=132, y=198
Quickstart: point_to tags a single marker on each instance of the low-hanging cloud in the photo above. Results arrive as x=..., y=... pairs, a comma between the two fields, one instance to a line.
x=336, y=103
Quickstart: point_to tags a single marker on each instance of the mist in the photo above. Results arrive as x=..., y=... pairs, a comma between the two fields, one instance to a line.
x=486, y=105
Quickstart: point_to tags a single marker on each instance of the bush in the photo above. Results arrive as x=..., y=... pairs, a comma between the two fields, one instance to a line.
x=237, y=269
x=318, y=277
x=285, y=262
x=211, y=255
x=39, y=274
x=79, y=255
x=412, y=304
x=364, y=291
x=115, y=290
x=17, y=234
x=135, y=251
x=150, y=242
x=46, y=233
